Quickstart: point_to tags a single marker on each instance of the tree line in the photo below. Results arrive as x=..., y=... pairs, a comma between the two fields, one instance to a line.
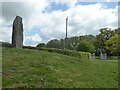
x=107, y=41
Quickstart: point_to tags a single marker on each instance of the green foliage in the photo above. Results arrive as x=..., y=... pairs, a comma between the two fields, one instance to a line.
x=29, y=47
x=85, y=46
x=53, y=43
x=113, y=44
x=99, y=42
x=5, y=44
x=69, y=43
x=82, y=55
x=41, y=45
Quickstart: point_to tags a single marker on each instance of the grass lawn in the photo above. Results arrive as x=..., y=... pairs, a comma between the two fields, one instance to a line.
x=23, y=68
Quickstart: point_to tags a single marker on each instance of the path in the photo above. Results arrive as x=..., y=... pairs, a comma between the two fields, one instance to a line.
x=109, y=60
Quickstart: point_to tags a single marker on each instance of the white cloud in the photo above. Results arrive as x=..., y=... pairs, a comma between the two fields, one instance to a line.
x=32, y=40
x=87, y=19
x=61, y=0
x=82, y=20
x=69, y=3
x=98, y=0
x=6, y=34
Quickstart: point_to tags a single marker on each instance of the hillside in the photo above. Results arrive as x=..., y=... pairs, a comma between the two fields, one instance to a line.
x=24, y=68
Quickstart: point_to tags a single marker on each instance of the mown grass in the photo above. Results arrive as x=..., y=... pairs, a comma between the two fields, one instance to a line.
x=109, y=58
x=23, y=68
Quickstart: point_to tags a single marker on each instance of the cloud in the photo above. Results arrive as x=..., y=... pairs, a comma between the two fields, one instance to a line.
x=98, y=0
x=91, y=18
x=69, y=3
x=27, y=10
x=82, y=19
x=6, y=34
x=32, y=40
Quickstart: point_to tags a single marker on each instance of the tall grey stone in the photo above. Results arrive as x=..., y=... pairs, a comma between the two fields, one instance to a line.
x=17, y=34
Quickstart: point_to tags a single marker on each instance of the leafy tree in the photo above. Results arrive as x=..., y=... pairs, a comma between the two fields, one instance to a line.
x=69, y=43
x=53, y=44
x=41, y=45
x=62, y=44
x=99, y=42
x=113, y=44
x=85, y=46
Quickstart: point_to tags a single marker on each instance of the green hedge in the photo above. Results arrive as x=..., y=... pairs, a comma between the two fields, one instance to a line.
x=5, y=44
x=29, y=47
x=82, y=55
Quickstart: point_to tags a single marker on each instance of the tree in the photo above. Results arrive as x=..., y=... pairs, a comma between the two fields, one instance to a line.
x=62, y=44
x=85, y=46
x=53, y=44
x=41, y=45
x=113, y=44
x=99, y=42
x=69, y=43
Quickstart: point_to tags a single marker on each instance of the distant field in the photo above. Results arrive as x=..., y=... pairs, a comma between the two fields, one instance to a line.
x=23, y=68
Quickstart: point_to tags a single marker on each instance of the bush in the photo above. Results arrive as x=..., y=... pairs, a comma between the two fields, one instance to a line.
x=5, y=44
x=85, y=46
x=82, y=55
x=41, y=45
x=29, y=47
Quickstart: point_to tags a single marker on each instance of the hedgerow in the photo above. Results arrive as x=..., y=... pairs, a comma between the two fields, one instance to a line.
x=5, y=44
x=29, y=47
x=82, y=55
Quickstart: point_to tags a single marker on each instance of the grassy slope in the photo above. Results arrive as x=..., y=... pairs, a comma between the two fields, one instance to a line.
x=33, y=68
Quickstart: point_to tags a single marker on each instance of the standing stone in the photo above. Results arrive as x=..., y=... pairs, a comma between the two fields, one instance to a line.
x=17, y=34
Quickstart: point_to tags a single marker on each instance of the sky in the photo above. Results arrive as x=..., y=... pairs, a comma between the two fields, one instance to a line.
x=44, y=20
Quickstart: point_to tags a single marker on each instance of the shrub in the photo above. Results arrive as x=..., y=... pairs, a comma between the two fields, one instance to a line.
x=82, y=55
x=29, y=47
x=85, y=46
x=5, y=44
x=41, y=45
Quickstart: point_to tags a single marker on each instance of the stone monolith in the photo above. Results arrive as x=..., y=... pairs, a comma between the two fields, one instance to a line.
x=17, y=34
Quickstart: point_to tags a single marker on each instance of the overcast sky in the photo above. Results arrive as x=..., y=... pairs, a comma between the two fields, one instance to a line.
x=45, y=20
